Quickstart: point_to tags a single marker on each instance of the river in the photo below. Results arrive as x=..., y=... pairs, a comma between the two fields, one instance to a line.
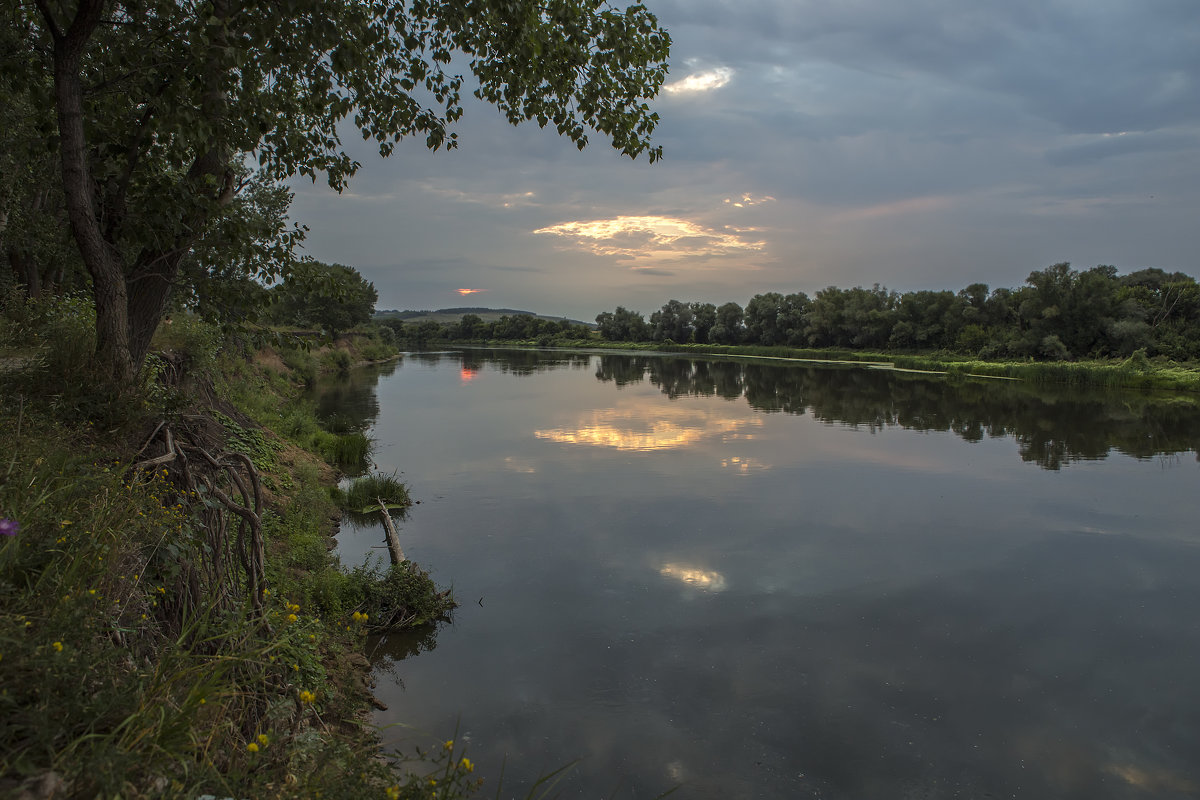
x=750, y=579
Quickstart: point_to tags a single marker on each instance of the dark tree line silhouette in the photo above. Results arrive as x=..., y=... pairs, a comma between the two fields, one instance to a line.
x=1060, y=313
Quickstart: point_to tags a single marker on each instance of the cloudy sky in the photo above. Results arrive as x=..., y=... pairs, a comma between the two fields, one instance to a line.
x=808, y=143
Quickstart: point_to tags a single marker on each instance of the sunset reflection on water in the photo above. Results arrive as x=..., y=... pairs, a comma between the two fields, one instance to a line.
x=694, y=576
x=648, y=429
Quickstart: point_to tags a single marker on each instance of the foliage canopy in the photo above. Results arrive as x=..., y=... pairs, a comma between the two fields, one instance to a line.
x=158, y=104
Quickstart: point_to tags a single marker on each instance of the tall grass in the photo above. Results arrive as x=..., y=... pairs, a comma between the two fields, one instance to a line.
x=348, y=451
x=365, y=493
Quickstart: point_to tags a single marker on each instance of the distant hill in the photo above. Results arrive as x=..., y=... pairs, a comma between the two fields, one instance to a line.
x=455, y=314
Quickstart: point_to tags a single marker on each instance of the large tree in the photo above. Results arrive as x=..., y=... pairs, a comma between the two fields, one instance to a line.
x=157, y=103
x=333, y=297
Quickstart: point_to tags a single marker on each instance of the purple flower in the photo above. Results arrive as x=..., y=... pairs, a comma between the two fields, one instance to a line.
x=9, y=527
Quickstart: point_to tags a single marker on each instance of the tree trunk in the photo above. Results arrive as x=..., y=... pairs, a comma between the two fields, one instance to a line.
x=113, y=356
x=25, y=272
x=148, y=293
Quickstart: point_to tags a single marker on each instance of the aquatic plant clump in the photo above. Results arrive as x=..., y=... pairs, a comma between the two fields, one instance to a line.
x=364, y=494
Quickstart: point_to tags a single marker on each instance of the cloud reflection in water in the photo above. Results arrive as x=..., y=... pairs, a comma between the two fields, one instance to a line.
x=693, y=576
x=661, y=429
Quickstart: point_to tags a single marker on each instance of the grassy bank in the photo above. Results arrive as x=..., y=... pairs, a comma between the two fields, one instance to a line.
x=1136, y=372
x=171, y=621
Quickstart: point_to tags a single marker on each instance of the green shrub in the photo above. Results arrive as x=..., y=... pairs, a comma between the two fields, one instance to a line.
x=377, y=351
x=337, y=360
x=302, y=363
x=191, y=337
x=363, y=494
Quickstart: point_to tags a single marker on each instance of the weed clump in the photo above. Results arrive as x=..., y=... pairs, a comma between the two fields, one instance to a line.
x=364, y=494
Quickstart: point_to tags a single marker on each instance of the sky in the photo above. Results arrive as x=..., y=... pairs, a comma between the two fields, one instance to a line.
x=917, y=144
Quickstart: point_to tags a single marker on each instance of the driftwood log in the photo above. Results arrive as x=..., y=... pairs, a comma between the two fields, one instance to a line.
x=393, y=540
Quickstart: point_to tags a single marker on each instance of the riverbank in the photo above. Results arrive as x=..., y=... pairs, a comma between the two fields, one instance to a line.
x=1136, y=372
x=172, y=622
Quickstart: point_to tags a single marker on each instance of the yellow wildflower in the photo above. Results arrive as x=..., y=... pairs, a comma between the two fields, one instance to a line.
x=263, y=740
x=466, y=764
x=292, y=618
x=58, y=647
x=252, y=747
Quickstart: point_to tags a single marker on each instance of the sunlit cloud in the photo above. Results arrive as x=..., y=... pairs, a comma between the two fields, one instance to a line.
x=647, y=431
x=705, y=81
x=465, y=292
x=748, y=200
x=694, y=576
x=653, y=238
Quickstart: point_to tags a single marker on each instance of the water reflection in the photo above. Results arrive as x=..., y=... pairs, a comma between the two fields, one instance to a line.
x=516, y=362
x=743, y=464
x=708, y=579
x=348, y=403
x=389, y=650
x=644, y=430
x=881, y=613
x=1053, y=426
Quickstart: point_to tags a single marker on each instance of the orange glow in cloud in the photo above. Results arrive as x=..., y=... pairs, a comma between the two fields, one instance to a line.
x=653, y=237
x=465, y=292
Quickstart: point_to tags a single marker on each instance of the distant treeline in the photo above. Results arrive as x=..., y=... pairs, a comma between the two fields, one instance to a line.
x=521, y=326
x=407, y=315
x=1059, y=314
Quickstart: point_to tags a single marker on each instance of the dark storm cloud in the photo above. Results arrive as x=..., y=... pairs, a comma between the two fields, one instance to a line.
x=1091, y=67
x=919, y=144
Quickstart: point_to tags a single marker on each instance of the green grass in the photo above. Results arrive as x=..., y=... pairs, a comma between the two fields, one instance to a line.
x=363, y=494
x=349, y=451
x=121, y=680
x=142, y=702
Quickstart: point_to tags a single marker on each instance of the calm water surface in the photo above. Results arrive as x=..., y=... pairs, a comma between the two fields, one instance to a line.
x=753, y=580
